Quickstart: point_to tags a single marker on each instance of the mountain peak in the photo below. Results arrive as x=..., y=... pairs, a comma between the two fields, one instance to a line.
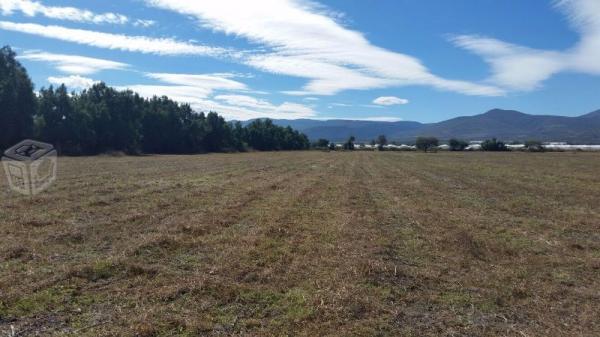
x=502, y=112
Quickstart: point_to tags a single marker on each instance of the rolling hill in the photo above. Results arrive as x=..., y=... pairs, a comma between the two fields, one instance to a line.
x=508, y=125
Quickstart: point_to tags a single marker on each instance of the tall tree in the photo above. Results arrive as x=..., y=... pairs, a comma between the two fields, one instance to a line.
x=17, y=100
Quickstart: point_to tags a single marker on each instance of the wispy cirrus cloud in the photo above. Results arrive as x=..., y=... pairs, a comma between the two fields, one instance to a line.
x=390, y=100
x=73, y=64
x=35, y=8
x=232, y=107
x=286, y=109
x=206, y=81
x=521, y=68
x=142, y=44
x=198, y=90
x=304, y=40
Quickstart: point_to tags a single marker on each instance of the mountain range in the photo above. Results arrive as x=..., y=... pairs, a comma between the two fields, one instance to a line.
x=506, y=125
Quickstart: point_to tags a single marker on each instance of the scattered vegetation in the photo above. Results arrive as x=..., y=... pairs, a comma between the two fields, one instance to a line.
x=306, y=243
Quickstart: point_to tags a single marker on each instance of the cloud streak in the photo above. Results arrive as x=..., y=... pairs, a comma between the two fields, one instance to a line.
x=73, y=64
x=142, y=44
x=304, y=41
x=34, y=8
x=521, y=68
x=198, y=90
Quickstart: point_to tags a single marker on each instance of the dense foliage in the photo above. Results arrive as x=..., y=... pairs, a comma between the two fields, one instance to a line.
x=17, y=101
x=103, y=119
x=381, y=142
x=321, y=143
x=349, y=144
x=493, y=145
x=457, y=144
x=426, y=143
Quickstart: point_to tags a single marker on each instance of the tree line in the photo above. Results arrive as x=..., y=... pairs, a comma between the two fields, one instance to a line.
x=102, y=119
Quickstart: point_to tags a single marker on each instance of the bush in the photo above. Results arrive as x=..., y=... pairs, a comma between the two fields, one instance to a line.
x=381, y=142
x=457, y=144
x=427, y=143
x=534, y=146
x=349, y=145
x=321, y=144
x=493, y=145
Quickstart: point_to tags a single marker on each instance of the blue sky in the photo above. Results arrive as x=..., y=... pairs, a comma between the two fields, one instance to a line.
x=425, y=60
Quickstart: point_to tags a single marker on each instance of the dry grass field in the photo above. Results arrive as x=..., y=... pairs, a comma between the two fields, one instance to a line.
x=306, y=244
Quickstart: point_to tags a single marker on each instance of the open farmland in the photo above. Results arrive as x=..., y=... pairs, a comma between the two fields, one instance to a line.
x=307, y=244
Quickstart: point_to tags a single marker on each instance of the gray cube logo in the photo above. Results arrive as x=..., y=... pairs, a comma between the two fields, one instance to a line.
x=30, y=166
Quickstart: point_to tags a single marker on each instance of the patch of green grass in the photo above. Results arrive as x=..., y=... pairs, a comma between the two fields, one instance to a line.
x=459, y=298
x=53, y=299
x=98, y=270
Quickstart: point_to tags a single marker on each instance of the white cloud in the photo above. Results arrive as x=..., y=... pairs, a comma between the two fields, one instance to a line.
x=390, y=100
x=232, y=107
x=144, y=23
x=34, y=8
x=517, y=67
x=285, y=110
x=73, y=81
x=142, y=44
x=197, y=89
x=180, y=93
x=209, y=81
x=303, y=40
x=73, y=64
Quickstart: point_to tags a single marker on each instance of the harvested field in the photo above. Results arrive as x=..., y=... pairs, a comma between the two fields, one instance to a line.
x=306, y=244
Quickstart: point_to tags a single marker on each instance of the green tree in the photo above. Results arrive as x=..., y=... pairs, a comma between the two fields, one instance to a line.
x=493, y=145
x=264, y=135
x=321, y=143
x=457, y=144
x=426, y=143
x=381, y=142
x=101, y=119
x=17, y=100
x=349, y=144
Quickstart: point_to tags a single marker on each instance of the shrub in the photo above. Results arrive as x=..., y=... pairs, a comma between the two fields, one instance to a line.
x=381, y=142
x=457, y=144
x=349, y=145
x=534, y=146
x=493, y=145
x=426, y=143
x=321, y=143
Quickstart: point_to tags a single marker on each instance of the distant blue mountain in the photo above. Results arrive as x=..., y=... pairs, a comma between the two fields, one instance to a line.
x=507, y=125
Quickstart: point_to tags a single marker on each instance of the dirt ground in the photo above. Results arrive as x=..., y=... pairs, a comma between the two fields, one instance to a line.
x=306, y=244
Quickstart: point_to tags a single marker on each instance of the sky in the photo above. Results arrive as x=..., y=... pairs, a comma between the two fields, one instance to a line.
x=385, y=60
